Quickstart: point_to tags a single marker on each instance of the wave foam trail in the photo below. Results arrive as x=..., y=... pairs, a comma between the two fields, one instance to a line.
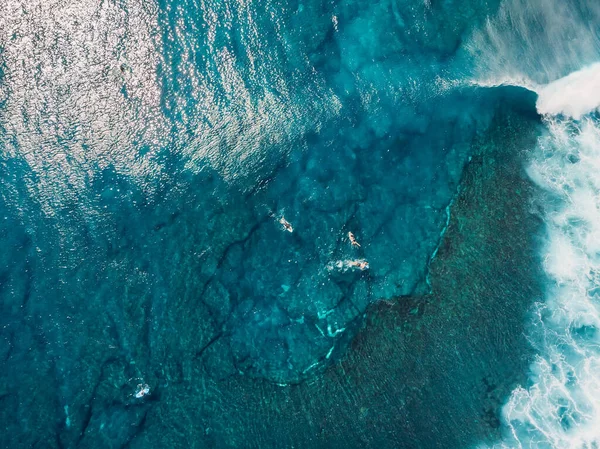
x=561, y=407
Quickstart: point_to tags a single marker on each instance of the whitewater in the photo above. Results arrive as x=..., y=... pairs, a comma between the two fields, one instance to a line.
x=560, y=405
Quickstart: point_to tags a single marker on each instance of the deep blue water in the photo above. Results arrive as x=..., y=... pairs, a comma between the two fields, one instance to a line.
x=150, y=152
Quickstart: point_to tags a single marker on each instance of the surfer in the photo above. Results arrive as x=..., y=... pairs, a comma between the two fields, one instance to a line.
x=286, y=224
x=143, y=390
x=362, y=265
x=353, y=241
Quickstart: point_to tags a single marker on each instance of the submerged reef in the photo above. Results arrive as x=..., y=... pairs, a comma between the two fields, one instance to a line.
x=178, y=182
x=412, y=351
x=171, y=224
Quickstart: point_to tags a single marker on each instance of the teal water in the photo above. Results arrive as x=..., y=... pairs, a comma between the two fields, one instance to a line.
x=149, y=154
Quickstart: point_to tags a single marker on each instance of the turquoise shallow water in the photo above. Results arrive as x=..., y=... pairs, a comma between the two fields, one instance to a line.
x=149, y=154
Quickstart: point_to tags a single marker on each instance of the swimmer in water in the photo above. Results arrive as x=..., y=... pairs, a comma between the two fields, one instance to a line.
x=362, y=265
x=143, y=390
x=353, y=241
x=286, y=224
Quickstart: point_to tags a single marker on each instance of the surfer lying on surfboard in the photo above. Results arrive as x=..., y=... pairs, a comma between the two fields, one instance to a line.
x=286, y=224
x=353, y=241
x=360, y=264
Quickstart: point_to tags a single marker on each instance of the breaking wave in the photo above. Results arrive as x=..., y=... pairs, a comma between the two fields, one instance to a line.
x=549, y=47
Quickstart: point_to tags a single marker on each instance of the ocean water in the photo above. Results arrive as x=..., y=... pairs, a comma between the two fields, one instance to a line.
x=178, y=181
x=560, y=404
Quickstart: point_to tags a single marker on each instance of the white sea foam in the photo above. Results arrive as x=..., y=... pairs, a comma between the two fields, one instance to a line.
x=552, y=47
x=574, y=95
x=560, y=408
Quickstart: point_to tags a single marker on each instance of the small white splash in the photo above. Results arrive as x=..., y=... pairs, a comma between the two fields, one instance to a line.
x=142, y=390
x=345, y=265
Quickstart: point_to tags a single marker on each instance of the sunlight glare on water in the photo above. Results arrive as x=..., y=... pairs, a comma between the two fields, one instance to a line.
x=81, y=93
